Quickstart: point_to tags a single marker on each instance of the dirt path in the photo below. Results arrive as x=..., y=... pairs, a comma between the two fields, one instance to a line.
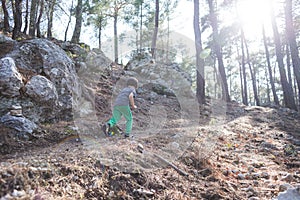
x=229, y=152
x=254, y=155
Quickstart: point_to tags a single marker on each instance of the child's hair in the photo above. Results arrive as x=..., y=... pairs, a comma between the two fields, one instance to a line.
x=132, y=82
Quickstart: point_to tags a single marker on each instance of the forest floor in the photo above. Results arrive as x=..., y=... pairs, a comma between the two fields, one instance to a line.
x=253, y=154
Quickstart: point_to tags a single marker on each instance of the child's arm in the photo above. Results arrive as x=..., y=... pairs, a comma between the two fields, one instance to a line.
x=131, y=100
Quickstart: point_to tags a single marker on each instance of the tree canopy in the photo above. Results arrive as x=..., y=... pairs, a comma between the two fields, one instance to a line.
x=248, y=50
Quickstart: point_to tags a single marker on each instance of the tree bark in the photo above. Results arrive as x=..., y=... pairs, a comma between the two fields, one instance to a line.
x=288, y=63
x=78, y=23
x=117, y=6
x=253, y=75
x=70, y=18
x=17, y=10
x=276, y=101
x=291, y=37
x=26, y=17
x=32, y=20
x=100, y=33
x=218, y=51
x=141, y=27
x=6, y=16
x=38, y=23
x=288, y=93
x=50, y=18
x=241, y=76
x=244, y=75
x=116, y=46
x=200, y=90
x=154, y=37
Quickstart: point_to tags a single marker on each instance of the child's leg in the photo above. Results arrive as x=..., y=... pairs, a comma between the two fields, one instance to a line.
x=128, y=116
x=116, y=116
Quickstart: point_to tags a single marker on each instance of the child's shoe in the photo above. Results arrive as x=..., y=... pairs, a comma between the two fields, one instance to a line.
x=110, y=134
x=106, y=129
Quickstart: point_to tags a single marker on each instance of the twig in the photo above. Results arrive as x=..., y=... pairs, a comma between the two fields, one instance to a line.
x=180, y=171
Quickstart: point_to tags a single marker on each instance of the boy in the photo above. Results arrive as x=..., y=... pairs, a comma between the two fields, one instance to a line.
x=122, y=104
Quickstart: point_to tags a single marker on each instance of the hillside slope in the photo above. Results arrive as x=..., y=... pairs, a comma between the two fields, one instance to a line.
x=253, y=154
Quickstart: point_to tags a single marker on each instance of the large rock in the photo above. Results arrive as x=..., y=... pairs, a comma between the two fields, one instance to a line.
x=6, y=45
x=42, y=90
x=10, y=79
x=289, y=194
x=97, y=61
x=167, y=79
x=22, y=125
x=170, y=76
x=49, y=77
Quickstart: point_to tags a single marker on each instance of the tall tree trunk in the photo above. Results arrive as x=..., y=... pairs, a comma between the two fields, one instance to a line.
x=218, y=51
x=168, y=37
x=276, y=101
x=268, y=87
x=288, y=64
x=253, y=75
x=288, y=93
x=141, y=27
x=17, y=10
x=244, y=74
x=290, y=32
x=216, y=79
x=241, y=74
x=6, y=16
x=137, y=41
x=32, y=20
x=100, y=33
x=78, y=24
x=26, y=17
x=38, y=23
x=50, y=18
x=116, y=45
x=154, y=37
x=70, y=18
x=200, y=90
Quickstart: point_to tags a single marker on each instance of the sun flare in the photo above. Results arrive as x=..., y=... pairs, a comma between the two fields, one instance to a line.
x=253, y=14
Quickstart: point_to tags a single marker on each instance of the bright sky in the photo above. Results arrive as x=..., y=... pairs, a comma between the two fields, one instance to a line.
x=252, y=14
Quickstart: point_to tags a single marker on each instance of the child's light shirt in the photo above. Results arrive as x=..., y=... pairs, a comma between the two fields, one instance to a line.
x=123, y=97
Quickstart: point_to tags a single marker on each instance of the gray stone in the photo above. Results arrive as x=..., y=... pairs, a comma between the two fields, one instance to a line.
x=241, y=176
x=205, y=172
x=289, y=194
x=10, y=79
x=16, y=110
x=254, y=198
x=256, y=175
x=51, y=81
x=17, y=193
x=265, y=175
x=284, y=187
x=4, y=39
x=290, y=150
x=288, y=178
x=96, y=61
x=268, y=145
x=42, y=90
x=20, y=124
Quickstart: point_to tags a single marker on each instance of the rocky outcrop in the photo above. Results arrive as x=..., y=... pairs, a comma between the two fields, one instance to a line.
x=170, y=76
x=22, y=126
x=290, y=194
x=10, y=79
x=165, y=79
x=38, y=76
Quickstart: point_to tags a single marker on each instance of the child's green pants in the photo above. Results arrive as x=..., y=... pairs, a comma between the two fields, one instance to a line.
x=117, y=113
